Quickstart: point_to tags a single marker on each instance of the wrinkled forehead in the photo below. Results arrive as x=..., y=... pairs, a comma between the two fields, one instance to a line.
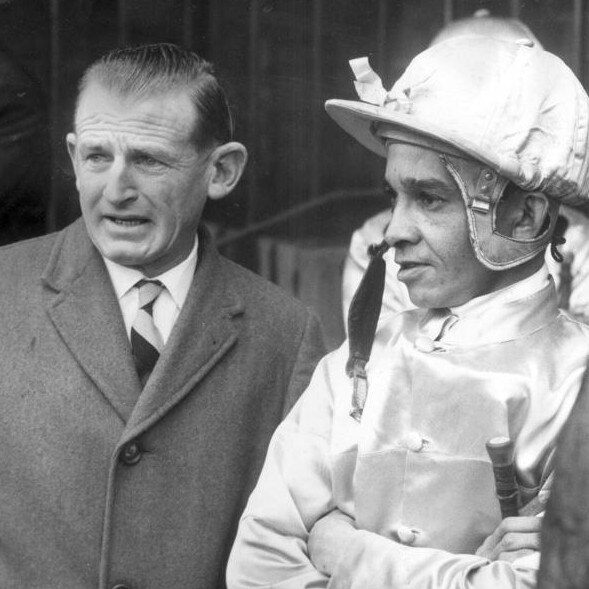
x=173, y=107
x=410, y=166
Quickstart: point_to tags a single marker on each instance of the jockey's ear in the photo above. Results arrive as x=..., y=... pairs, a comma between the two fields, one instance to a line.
x=522, y=214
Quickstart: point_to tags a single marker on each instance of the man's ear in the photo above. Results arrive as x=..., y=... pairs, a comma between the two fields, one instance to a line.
x=532, y=216
x=521, y=214
x=227, y=164
x=71, y=142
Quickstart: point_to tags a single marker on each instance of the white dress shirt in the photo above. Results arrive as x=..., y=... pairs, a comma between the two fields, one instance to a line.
x=167, y=306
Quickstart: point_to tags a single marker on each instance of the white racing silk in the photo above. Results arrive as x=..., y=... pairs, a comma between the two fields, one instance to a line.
x=414, y=474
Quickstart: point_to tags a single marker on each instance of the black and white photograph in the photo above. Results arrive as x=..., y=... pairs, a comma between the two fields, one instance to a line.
x=294, y=294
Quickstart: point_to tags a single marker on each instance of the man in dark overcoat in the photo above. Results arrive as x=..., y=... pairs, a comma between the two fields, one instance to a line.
x=142, y=373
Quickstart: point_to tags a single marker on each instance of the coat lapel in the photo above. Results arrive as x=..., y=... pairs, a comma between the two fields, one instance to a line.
x=84, y=309
x=204, y=332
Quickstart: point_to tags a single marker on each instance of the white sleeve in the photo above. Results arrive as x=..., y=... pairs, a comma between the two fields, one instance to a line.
x=293, y=492
x=379, y=563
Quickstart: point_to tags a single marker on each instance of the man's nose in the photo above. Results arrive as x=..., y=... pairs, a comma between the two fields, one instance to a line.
x=402, y=227
x=120, y=186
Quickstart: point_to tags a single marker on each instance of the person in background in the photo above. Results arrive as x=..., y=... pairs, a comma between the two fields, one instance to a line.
x=379, y=477
x=571, y=276
x=24, y=153
x=142, y=373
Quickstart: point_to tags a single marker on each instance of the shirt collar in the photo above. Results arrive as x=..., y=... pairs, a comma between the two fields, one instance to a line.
x=177, y=280
x=499, y=316
x=519, y=290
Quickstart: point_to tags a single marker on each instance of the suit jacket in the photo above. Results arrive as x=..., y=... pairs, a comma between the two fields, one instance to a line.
x=106, y=484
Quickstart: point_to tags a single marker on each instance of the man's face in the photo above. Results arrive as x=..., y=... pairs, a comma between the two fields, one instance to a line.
x=141, y=180
x=429, y=231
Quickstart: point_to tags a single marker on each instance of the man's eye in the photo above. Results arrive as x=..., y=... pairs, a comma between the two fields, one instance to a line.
x=429, y=200
x=148, y=161
x=96, y=158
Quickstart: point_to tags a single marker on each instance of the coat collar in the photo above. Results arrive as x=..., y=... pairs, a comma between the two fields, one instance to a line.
x=83, y=307
x=204, y=332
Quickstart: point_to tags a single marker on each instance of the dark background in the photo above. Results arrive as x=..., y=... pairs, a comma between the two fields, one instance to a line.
x=279, y=61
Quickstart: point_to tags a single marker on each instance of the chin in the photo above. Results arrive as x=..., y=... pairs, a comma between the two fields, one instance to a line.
x=431, y=300
x=124, y=258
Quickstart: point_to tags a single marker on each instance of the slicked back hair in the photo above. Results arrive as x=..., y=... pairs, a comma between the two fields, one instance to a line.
x=148, y=70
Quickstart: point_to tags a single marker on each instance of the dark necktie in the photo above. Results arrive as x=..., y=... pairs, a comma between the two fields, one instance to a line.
x=146, y=340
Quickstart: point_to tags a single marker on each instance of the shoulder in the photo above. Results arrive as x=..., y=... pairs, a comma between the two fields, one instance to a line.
x=26, y=262
x=26, y=257
x=279, y=331
x=571, y=334
x=22, y=265
x=275, y=322
x=262, y=296
x=553, y=358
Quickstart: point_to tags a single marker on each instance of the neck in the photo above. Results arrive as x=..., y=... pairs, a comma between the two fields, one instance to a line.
x=521, y=272
x=508, y=288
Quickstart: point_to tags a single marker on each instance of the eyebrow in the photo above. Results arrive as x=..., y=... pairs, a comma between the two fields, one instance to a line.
x=134, y=152
x=146, y=152
x=413, y=184
x=92, y=145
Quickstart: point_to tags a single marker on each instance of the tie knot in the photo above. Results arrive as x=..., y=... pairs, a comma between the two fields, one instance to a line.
x=149, y=290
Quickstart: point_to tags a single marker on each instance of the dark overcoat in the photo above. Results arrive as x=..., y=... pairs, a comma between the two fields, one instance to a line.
x=102, y=484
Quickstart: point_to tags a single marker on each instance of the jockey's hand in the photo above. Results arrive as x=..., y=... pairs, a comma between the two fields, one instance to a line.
x=328, y=539
x=513, y=538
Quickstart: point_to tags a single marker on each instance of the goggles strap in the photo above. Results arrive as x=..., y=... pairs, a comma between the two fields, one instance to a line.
x=558, y=238
x=362, y=321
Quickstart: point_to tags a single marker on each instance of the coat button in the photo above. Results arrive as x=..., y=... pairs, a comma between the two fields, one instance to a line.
x=131, y=454
x=413, y=442
x=406, y=535
x=424, y=344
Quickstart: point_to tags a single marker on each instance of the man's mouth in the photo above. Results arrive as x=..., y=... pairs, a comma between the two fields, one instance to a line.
x=410, y=270
x=409, y=265
x=127, y=221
